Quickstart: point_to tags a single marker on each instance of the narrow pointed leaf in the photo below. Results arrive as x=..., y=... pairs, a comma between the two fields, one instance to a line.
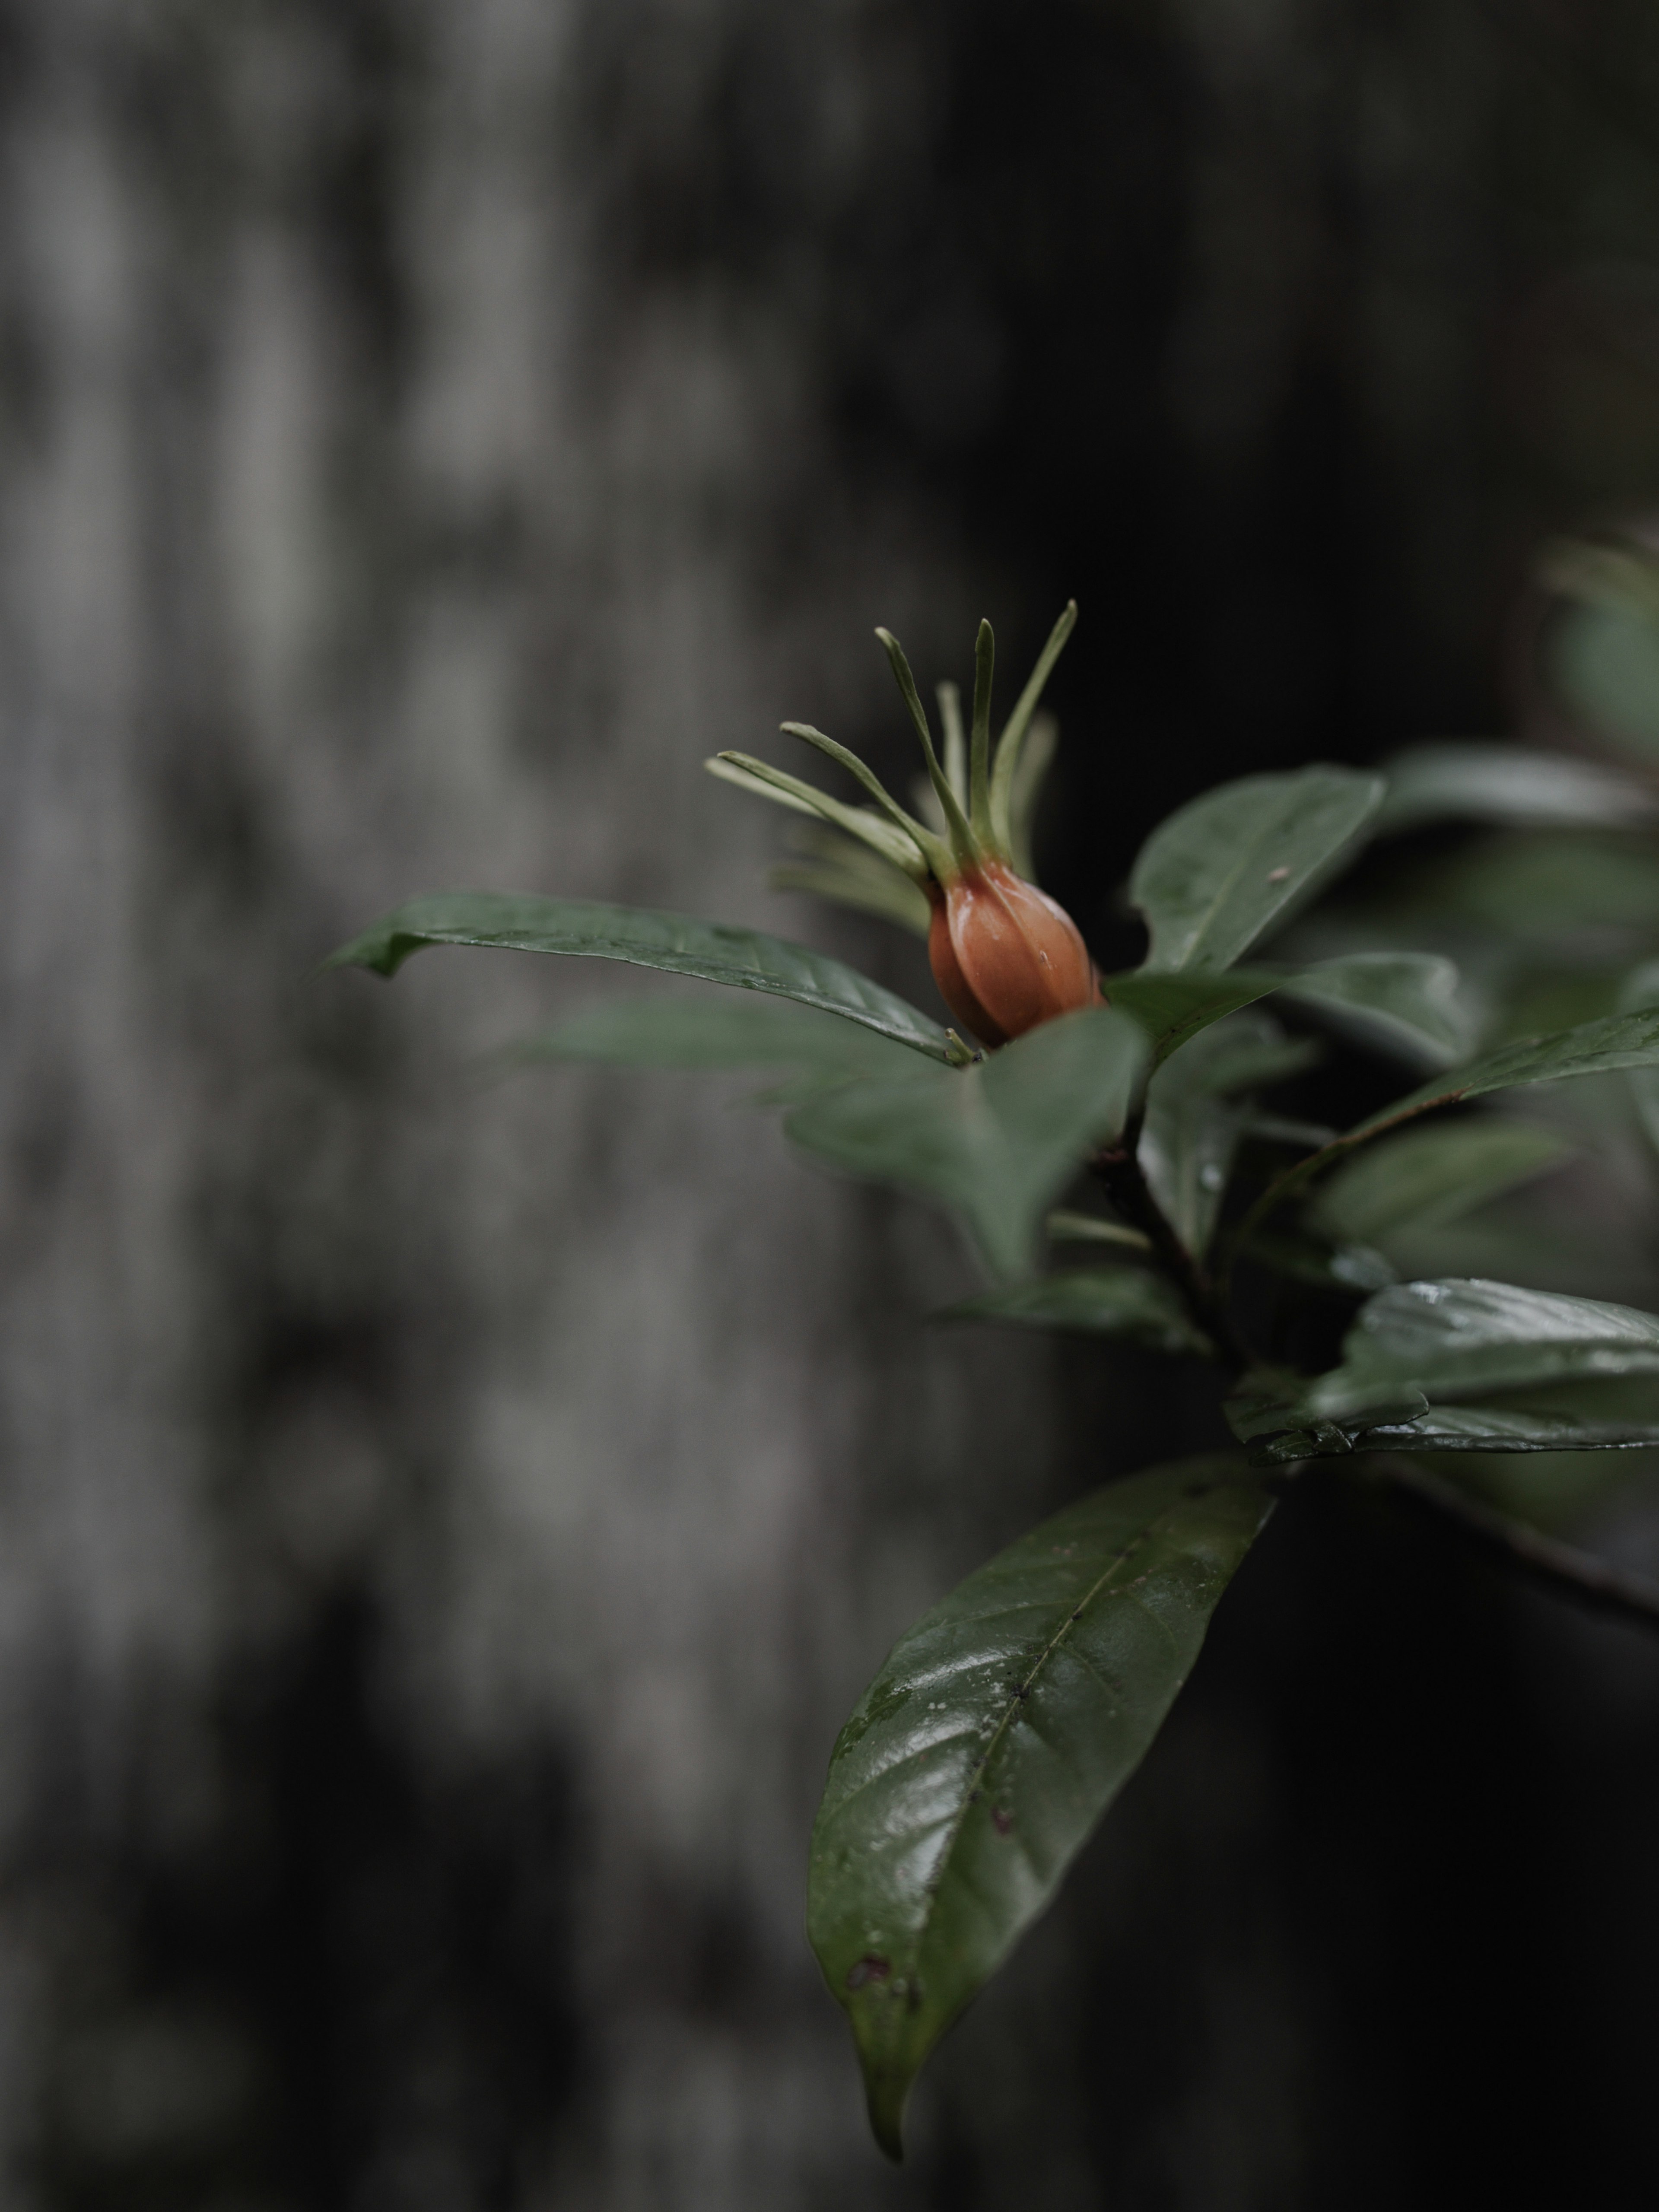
x=1010, y=755
x=962, y=843
x=1219, y=874
x=994, y=1737
x=1408, y=1001
x=870, y=828
x=1516, y=786
x=979, y=775
x=955, y=754
x=1424, y=1178
x=1459, y=1340
x=1025, y=793
x=1095, y=1301
x=994, y=1142
x=674, y=942
x=922, y=838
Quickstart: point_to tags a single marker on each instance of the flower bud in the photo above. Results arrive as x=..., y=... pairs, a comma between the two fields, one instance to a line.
x=1005, y=956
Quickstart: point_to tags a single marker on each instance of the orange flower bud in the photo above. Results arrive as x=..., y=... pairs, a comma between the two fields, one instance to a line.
x=1005, y=956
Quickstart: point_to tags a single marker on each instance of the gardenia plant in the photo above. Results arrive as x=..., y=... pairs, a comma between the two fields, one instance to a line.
x=1002, y=1726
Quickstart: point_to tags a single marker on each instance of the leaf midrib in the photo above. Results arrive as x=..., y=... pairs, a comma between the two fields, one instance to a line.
x=1073, y=1618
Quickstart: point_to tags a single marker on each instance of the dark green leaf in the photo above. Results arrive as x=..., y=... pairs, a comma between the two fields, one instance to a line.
x=994, y=1142
x=1554, y=1490
x=1514, y=785
x=1173, y=1009
x=1346, y=1268
x=1641, y=989
x=1549, y=888
x=1604, y=661
x=1219, y=874
x=994, y=1737
x=1279, y=1433
x=1598, y=1047
x=1424, y=1178
x=674, y=942
x=1408, y=1001
x=1194, y=1119
x=1097, y=1301
x=1458, y=1338
x=1604, y=1047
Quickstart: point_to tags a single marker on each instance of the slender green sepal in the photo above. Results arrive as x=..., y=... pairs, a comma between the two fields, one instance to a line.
x=933, y=850
x=956, y=740
x=1014, y=734
x=985, y=657
x=887, y=838
x=964, y=845
x=1036, y=760
x=883, y=891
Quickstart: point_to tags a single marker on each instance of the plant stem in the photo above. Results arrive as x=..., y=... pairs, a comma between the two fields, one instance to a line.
x=1544, y=1559
x=1118, y=1169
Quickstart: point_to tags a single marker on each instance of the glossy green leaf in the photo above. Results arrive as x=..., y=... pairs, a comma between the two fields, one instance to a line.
x=674, y=942
x=1279, y=1433
x=1096, y=1302
x=1518, y=787
x=1458, y=1338
x=1424, y=1178
x=1219, y=874
x=1407, y=1000
x=995, y=1735
x=994, y=1142
x=1195, y=1117
x=1554, y=1490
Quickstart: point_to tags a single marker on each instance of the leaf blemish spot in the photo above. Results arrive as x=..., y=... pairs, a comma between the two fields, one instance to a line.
x=1001, y=1820
x=870, y=1968
x=1277, y=875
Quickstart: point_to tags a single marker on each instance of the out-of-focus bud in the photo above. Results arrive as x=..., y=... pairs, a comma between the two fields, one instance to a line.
x=1005, y=955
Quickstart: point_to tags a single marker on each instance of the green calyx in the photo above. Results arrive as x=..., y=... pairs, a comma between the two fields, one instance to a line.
x=977, y=790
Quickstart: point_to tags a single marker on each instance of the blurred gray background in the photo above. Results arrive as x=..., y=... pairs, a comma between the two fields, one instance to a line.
x=445, y=1519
